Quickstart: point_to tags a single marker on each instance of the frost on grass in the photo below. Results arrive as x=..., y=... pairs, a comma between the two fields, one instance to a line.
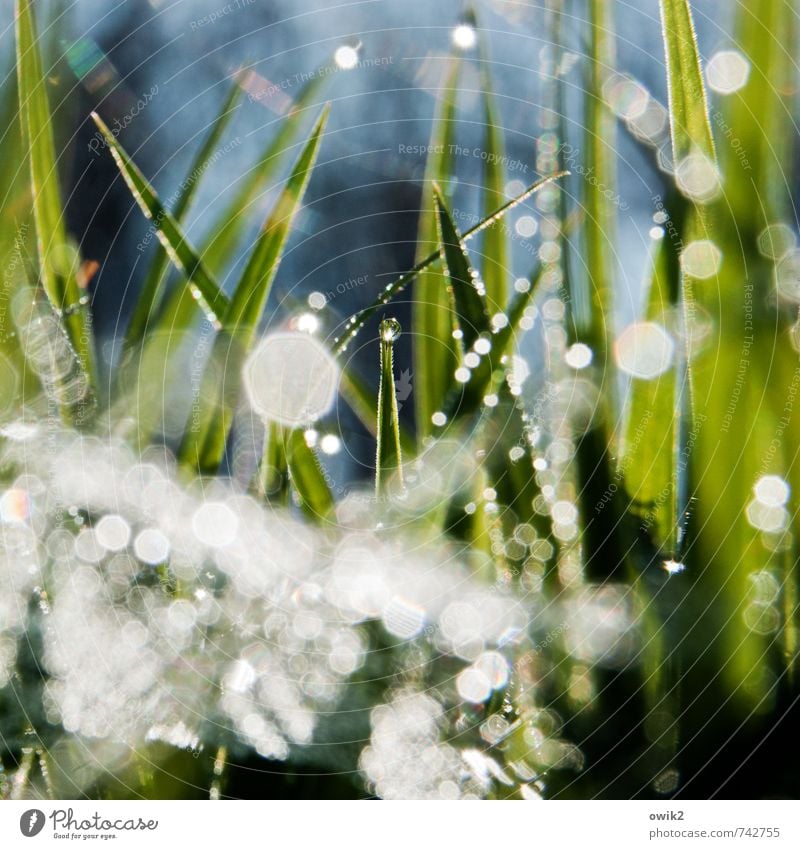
x=195, y=616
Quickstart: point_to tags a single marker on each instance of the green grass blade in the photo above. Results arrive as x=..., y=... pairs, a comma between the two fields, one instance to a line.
x=356, y=323
x=151, y=295
x=388, y=461
x=688, y=104
x=206, y=447
x=222, y=245
x=360, y=398
x=435, y=354
x=204, y=288
x=486, y=378
x=649, y=451
x=59, y=283
x=273, y=472
x=495, y=264
x=463, y=281
x=600, y=221
x=307, y=477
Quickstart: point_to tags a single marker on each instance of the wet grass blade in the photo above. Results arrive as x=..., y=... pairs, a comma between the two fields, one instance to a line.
x=307, y=476
x=688, y=104
x=649, y=451
x=388, y=461
x=462, y=280
x=486, y=378
x=435, y=354
x=60, y=283
x=600, y=222
x=151, y=295
x=204, y=288
x=221, y=246
x=356, y=323
x=360, y=398
x=206, y=447
x=495, y=264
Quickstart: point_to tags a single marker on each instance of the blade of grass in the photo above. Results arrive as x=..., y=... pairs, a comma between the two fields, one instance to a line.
x=356, y=322
x=388, y=462
x=599, y=224
x=151, y=295
x=307, y=476
x=434, y=348
x=649, y=450
x=183, y=256
x=221, y=246
x=463, y=281
x=485, y=379
x=361, y=400
x=59, y=283
x=205, y=447
x=495, y=263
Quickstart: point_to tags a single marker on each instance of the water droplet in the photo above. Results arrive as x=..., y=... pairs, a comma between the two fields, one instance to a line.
x=390, y=330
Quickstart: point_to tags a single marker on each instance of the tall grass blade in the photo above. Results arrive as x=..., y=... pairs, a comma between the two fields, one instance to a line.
x=152, y=292
x=60, y=283
x=469, y=298
x=356, y=323
x=388, y=462
x=221, y=246
x=307, y=477
x=495, y=264
x=600, y=222
x=202, y=285
x=435, y=355
x=206, y=447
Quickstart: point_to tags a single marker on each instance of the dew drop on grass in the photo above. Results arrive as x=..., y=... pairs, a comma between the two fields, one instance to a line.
x=290, y=378
x=644, y=350
x=390, y=330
